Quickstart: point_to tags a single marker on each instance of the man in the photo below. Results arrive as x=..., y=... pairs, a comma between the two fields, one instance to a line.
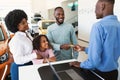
x=62, y=35
x=104, y=47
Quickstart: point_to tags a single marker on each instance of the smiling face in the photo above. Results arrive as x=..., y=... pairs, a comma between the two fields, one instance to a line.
x=23, y=25
x=43, y=43
x=59, y=15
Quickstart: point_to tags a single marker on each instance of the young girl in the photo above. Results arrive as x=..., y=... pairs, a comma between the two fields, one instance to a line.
x=42, y=46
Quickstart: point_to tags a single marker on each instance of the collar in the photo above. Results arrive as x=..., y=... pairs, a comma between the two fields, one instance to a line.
x=60, y=24
x=20, y=33
x=110, y=17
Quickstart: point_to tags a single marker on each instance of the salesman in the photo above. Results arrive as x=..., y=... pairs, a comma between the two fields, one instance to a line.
x=104, y=47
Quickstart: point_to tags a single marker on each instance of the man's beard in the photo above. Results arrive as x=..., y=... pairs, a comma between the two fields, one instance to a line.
x=59, y=21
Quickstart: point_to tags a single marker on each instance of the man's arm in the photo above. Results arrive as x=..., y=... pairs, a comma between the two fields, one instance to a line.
x=50, y=37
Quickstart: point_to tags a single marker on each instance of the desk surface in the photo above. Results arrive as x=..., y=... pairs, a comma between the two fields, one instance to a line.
x=66, y=72
x=31, y=71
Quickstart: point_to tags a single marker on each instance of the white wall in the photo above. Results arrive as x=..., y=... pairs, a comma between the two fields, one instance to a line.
x=8, y=5
x=42, y=6
x=86, y=17
x=39, y=6
x=53, y=3
x=29, y=6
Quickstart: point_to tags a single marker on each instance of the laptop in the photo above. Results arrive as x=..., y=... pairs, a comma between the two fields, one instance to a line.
x=65, y=72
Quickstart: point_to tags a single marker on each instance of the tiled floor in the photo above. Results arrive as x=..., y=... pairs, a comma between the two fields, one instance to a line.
x=82, y=56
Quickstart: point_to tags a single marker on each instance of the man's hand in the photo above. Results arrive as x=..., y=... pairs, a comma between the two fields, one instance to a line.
x=75, y=64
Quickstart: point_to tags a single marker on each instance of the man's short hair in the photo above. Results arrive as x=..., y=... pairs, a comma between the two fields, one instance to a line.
x=110, y=1
x=58, y=8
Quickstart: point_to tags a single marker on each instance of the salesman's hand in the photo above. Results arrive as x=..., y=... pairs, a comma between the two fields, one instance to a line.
x=79, y=48
x=75, y=64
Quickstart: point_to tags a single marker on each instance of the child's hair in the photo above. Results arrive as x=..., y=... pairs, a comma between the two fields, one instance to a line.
x=37, y=42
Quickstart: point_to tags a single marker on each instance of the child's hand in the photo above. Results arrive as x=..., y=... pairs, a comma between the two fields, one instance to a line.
x=39, y=56
x=52, y=59
x=44, y=60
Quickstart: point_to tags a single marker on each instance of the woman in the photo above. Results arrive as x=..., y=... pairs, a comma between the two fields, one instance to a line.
x=21, y=44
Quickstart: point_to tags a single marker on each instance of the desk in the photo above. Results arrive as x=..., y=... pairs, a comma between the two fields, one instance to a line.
x=31, y=72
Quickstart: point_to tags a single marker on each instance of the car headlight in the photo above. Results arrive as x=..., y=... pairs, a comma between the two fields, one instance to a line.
x=3, y=58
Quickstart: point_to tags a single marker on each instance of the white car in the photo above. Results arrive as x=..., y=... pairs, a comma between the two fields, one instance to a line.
x=33, y=26
x=43, y=24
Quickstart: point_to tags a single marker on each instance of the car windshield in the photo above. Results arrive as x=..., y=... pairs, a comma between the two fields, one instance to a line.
x=46, y=24
x=1, y=35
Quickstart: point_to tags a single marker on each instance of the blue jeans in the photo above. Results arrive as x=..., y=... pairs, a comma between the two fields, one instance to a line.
x=15, y=70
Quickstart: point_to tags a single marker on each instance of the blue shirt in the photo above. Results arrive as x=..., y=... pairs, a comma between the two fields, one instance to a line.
x=62, y=34
x=104, y=47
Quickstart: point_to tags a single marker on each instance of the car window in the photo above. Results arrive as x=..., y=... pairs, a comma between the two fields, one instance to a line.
x=46, y=24
x=1, y=35
x=3, y=22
